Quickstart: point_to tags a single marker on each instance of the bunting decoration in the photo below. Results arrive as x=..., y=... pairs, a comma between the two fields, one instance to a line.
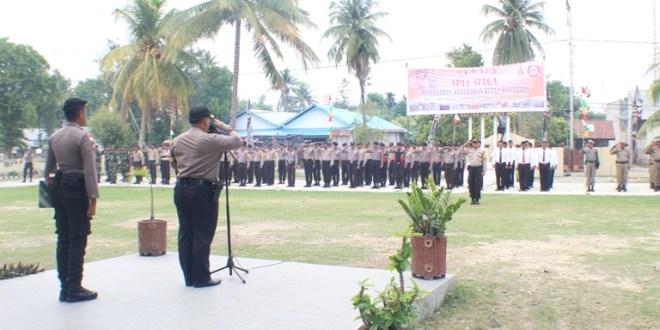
x=638, y=107
x=330, y=136
x=585, y=93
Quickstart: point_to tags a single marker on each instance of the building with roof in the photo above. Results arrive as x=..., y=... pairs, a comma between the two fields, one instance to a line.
x=316, y=123
x=601, y=131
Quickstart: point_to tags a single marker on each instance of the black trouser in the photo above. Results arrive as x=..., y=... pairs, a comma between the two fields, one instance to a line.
x=510, y=173
x=334, y=173
x=415, y=172
x=269, y=172
x=242, y=173
x=424, y=172
x=398, y=174
x=72, y=227
x=281, y=170
x=500, y=175
x=393, y=167
x=27, y=169
x=308, y=171
x=460, y=175
x=236, y=170
x=291, y=174
x=407, y=169
x=197, y=208
x=344, y=172
x=317, y=171
x=523, y=176
x=437, y=173
x=475, y=181
x=383, y=175
x=367, y=172
x=544, y=176
x=224, y=173
x=152, y=170
x=449, y=175
x=352, y=173
x=375, y=172
x=137, y=166
x=360, y=175
x=256, y=168
x=325, y=168
x=250, y=172
x=552, y=178
x=165, y=171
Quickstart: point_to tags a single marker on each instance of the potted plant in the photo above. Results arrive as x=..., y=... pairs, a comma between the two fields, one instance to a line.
x=152, y=233
x=429, y=211
x=392, y=308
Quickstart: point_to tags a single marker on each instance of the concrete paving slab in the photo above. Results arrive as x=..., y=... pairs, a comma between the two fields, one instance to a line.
x=148, y=293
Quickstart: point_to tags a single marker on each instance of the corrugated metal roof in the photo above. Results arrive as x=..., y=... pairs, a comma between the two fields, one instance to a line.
x=603, y=129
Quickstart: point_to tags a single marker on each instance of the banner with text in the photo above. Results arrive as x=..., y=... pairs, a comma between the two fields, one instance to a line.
x=506, y=88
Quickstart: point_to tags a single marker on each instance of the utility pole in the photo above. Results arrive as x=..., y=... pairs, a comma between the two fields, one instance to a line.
x=572, y=90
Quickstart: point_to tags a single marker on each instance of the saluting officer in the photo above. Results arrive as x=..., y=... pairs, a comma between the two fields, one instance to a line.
x=622, y=165
x=196, y=157
x=74, y=191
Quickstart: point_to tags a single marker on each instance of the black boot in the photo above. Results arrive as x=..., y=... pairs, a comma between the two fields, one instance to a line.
x=80, y=294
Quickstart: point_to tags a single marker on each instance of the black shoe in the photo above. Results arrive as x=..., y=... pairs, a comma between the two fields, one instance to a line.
x=472, y=202
x=257, y=185
x=211, y=282
x=351, y=187
x=317, y=184
x=63, y=295
x=80, y=294
x=307, y=186
x=476, y=201
x=397, y=187
x=375, y=187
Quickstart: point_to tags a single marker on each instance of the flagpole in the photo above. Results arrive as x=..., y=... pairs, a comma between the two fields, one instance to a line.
x=572, y=90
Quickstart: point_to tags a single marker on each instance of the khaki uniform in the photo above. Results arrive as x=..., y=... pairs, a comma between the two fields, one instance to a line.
x=622, y=166
x=590, y=158
x=653, y=150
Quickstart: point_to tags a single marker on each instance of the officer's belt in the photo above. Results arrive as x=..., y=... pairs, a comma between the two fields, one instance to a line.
x=626, y=162
x=195, y=182
x=590, y=161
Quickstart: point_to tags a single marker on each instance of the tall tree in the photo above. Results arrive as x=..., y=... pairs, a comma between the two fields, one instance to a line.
x=355, y=37
x=271, y=24
x=24, y=79
x=464, y=57
x=288, y=83
x=513, y=30
x=149, y=71
x=97, y=92
x=303, y=97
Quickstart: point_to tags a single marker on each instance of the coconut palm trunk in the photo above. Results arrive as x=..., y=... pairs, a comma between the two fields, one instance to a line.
x=234, y=78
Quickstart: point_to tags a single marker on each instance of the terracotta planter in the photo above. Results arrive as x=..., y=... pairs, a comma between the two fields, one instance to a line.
x=429, y=257
x=152, y=237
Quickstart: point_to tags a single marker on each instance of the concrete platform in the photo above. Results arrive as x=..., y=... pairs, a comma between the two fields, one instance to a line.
x=148, y=293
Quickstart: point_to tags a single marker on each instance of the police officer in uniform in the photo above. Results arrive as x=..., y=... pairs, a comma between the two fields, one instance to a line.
x=111, y=161
x=164, y=155
x=74, y=190
x=291, y=158
x=334, y=164
x=475, y=157
x=591, y=164
x=653, y=150
x=308, y=162
x=352, y=159
x=622, y=165
x=196, y=157
x=152, y=155
x=281, y=163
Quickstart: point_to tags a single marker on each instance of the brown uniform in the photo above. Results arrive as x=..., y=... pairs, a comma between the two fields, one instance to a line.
x=653, y=150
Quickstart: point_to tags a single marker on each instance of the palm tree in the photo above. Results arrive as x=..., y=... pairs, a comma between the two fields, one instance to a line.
x=288, y=82
x=303, y=95
x=356, y=37
x=147, y=72
x=515, y=41
x=270, y=23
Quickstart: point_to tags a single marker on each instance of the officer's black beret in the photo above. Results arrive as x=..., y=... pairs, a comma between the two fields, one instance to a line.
x=382, y=144
x=335, y=143
x=72, y=103
x=352, y=143
x=424, y=144
x=399, y=144
x=198, y=113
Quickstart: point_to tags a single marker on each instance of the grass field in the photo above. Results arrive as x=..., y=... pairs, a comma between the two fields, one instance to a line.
x=522, y=261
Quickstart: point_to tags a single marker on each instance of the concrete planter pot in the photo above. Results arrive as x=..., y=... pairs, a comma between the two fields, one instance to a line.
x=152, y=237
x=429, y=257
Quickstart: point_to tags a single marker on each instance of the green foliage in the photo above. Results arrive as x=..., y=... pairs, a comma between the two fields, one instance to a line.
x=429, y=211
x=512, y=28
x=15, y=270
x=392, y=308
x=110, y=130
x=212, y=87
x=355, y=37
x=464, y=57
x=25, y=87
x=96, y=91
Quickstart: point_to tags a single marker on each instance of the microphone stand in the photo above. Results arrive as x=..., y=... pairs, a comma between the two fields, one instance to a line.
x=230, y=255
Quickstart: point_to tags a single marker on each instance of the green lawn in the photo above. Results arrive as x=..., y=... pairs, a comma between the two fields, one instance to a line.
x=522, y=261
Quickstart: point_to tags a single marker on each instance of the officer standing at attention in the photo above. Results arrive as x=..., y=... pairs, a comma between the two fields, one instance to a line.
x=281, y=163
x=622, y=165
x=196, y=157
x=164, y=154
x=590, y=164
x=291, y=158
x=152, y=155
x=653, y=150
x=475, y=158
x=74, y=191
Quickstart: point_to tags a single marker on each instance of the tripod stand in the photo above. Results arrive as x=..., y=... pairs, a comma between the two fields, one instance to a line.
x=230, y=256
